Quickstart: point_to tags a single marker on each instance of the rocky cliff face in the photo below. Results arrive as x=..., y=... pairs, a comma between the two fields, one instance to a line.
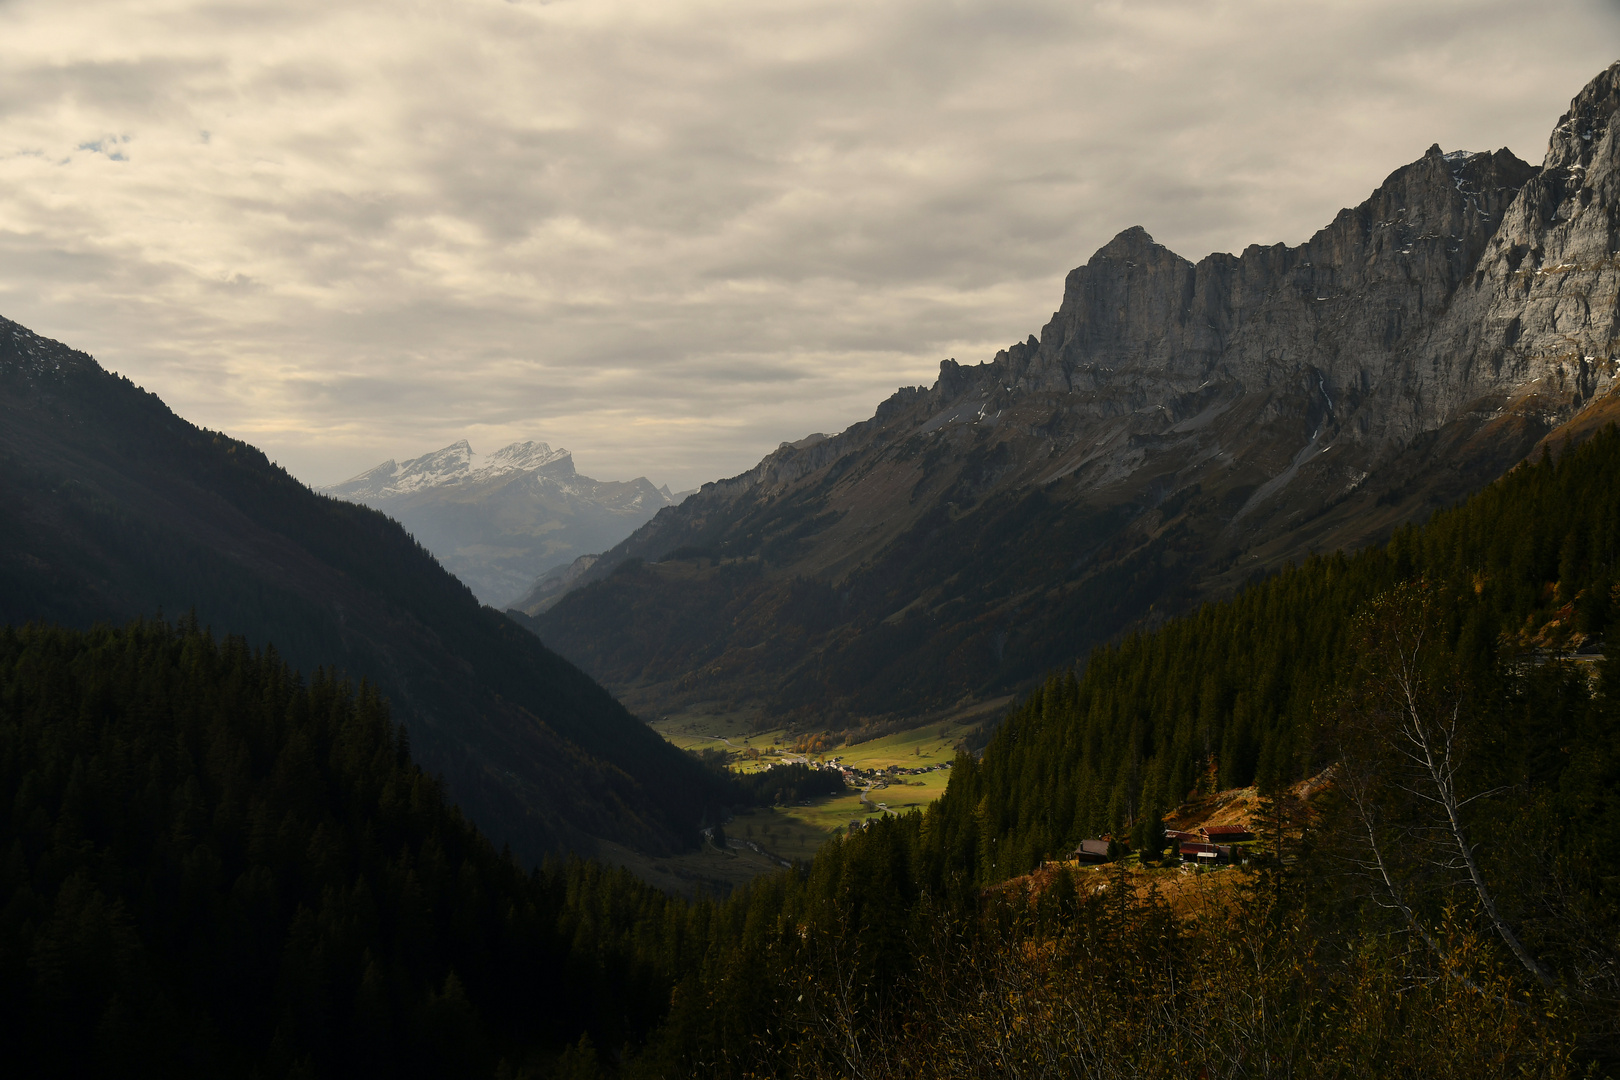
x=1175, y=429
x=500, y=521
x=1534, y=325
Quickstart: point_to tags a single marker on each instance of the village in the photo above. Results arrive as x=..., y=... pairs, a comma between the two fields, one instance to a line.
x=1208, y=845
x=1210, y=832
x=879, y=777
x=1204, y=845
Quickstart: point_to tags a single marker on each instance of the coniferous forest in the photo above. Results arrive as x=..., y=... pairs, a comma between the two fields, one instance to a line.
x=215, y=866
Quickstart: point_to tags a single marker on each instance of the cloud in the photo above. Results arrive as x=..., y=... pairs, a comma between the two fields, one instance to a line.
x=669, y=235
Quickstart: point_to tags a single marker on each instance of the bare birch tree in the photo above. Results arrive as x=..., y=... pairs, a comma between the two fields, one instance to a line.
x=1404, y=743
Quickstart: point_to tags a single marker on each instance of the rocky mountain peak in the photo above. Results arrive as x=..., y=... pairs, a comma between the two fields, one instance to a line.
x=457, y=463
x=499, y=521
x=1174, y=429
x=528, y=456
x=1535, y=328
x=1578, y=171
x=1580, y=131
x=1141, y=328
x=1130, y=244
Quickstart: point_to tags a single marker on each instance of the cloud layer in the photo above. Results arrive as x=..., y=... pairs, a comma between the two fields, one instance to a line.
x=671, y=234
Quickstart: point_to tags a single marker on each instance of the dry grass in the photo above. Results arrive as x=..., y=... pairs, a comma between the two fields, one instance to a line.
x=1188, y=891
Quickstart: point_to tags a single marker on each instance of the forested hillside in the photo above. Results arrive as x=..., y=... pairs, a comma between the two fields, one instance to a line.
x=212, y=867
x=1444, y=913
x=1251, y=690
x=214, y=863
x=115, y=509
x=1407, y=971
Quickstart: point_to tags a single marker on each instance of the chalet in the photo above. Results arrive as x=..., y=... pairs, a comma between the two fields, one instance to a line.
x=1100, y=849
x=1205, y=854
x=1179, y=836
x=1225, y=834
x=1092, y=851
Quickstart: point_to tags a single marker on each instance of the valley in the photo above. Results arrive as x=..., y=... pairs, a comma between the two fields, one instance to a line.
x=1218, y=684
x=796, y=831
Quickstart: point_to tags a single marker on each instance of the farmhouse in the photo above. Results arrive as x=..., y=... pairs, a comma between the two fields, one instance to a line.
x=1092, y=851
x=1205, y=854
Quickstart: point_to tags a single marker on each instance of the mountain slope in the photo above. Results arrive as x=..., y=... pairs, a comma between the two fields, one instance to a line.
x=113, y=508
x=218, y=869
x=1519, y=576
x=501, y=521
x=1176, y=429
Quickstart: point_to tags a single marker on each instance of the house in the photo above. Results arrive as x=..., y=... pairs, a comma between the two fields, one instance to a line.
x=1227, y=834
x=1092, y=851
x=1179, y=836
x=1205, y=854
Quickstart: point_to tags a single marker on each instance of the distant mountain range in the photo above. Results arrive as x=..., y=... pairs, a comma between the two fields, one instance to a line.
x=113, y=508
x=499, y=522
x=1176, y=430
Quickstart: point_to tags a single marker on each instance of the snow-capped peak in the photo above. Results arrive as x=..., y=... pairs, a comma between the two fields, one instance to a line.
x=457, y=463
x=523, y=456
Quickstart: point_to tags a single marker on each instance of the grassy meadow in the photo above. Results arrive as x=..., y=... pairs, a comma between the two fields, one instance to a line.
x=797, y=832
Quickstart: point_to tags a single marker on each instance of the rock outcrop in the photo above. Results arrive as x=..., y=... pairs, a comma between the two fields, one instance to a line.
x=1175, y=429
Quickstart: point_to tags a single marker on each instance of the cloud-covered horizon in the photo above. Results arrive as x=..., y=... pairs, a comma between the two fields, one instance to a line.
x=670, y=235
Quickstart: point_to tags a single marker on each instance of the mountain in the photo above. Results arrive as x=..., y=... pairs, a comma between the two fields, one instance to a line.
x=499, y=522
x=114, y=508
x=1175, y=430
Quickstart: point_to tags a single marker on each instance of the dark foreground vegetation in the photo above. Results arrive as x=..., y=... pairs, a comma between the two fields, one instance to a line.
x=210, y=863
x=212, y=868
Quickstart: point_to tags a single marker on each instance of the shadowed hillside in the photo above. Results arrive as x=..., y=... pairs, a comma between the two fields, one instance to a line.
x=115, y=508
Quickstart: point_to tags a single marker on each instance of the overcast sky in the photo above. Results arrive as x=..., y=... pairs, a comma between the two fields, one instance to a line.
x=670, y=234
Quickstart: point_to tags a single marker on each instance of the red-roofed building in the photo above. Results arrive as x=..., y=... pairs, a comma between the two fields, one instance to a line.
x=1226, y=834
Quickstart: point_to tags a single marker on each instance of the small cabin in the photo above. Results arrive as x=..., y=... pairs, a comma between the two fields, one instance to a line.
x=1205, y=854
x=1225, y=834
x=1092, y=851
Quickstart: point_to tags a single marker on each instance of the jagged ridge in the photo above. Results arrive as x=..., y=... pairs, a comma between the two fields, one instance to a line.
x=1175, y=429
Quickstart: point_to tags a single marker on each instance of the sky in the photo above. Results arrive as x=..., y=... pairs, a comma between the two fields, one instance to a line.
x=671, y=234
